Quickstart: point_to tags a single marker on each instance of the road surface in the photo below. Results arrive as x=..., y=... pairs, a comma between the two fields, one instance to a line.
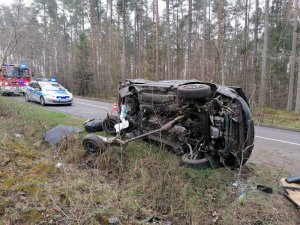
x=273, y=147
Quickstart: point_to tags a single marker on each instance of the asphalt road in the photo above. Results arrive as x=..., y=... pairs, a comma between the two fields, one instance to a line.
x=273, y=147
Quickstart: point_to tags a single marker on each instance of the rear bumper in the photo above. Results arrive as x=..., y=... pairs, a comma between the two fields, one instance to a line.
x=12, y=90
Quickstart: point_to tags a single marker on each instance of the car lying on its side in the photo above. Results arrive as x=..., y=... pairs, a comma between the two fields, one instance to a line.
x=48, y=92
x=208, y=124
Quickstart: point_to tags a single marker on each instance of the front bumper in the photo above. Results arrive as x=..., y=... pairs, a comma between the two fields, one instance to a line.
x=12, y=90
x=58, y=101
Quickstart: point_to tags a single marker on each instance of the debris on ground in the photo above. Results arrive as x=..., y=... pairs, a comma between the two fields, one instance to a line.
x=93, y=125
x=265, y=189
x=293, y=179
x=114, y=220
x=153, y=219
x=290, y=187
x=59, y=165
x=17, y=135
x=56, y=134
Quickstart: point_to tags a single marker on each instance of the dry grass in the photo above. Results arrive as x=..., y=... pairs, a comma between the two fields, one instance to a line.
x=278, y=118
x=40, y=184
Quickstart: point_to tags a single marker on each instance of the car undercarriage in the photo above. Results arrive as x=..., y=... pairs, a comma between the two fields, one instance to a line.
x=207, y=124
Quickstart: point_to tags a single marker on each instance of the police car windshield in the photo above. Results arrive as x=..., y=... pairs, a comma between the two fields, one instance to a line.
x=52, y=87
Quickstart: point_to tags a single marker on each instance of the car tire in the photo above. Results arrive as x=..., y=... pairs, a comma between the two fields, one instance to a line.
x=93, y=144
x=109, y=123
x=26, y=98
x=194, y=91
x=195, y=163
x=42, y=101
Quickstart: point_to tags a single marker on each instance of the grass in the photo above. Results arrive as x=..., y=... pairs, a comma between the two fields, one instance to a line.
x=277, y=118
x=133, y=185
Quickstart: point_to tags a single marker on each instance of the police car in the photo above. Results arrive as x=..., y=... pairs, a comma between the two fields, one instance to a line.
x=48, y=92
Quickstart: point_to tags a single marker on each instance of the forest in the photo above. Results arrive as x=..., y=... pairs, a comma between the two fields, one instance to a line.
x=92, y=45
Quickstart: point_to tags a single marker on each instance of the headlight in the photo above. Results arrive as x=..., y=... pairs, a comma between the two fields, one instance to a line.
x=6, y=83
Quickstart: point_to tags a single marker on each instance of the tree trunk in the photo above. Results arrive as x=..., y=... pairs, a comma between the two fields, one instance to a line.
x=168, y=75
x=190, y=16
x=157, y=41
x=293, y=59
x=135, y=38
x=94, y=29
x=254, y=62
x=297, y=107
x=262, y=91
x=203, y=47
x=245, y=58
x=124, y=43
x=219, y=71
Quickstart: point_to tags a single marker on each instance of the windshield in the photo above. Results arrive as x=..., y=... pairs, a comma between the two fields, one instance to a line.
x=53, y=87
x=14, y=72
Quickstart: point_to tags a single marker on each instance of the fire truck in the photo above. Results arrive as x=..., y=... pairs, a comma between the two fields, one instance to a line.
x=14, y=78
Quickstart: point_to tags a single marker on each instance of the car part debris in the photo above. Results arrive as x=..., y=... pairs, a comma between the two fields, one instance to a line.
x=210, y=124
x=293, y=179
x=153, y=219
x=109, y=123
x=98, y=144
x=265, y=189
x=285, y=184
x=114, y=220
x=56, y=134
x=291, y=191
x=93, y=125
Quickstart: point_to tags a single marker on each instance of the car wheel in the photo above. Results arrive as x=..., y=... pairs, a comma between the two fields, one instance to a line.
x=27, y=98
x=109, y=123
x=194, y=91
x=195, y=163
x=42, y=101
x=94, y=144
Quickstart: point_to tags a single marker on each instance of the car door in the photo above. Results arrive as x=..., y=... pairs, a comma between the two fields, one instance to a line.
x=37, y=92
x=29, y=91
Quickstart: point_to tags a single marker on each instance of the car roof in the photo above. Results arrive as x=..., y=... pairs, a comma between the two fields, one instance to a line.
x=44, y=82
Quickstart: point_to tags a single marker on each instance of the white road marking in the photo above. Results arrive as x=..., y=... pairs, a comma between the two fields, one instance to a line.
x=271, y=139
x=91, y=105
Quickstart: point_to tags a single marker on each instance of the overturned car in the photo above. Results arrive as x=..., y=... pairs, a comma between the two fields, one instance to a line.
x=207, y=124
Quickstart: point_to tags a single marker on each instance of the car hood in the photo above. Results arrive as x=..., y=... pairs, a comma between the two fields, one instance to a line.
x=58, y=93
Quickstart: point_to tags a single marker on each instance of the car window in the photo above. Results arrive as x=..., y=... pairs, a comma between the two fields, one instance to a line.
x=38, y=87
x=33, y=85
x=12, y=72
x=53, y=87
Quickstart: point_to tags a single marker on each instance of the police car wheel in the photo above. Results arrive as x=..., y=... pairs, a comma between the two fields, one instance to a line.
x=27, y=98
x=42, y=101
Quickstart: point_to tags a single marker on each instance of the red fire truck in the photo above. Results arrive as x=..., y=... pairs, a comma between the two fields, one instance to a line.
x=14, y=78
